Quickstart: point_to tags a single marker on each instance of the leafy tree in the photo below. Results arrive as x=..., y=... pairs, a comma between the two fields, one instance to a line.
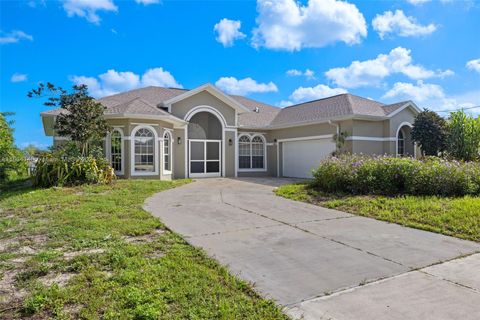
x=12, y=161
x=81, y=118
x=430, y=132
x=464, y=136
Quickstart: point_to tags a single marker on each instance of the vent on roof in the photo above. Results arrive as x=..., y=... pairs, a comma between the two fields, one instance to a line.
x=257, y=109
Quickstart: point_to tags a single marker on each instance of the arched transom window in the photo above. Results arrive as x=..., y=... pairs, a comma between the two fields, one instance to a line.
x=144, y=150
x=167, y=151
x=251, y=153
x=116, y=151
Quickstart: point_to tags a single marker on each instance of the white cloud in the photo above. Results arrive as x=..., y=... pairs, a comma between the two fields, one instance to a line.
x=88, y=8
x=372, y=72
x=112, y=81
x=288, y=25
x=303, y=94
x=228, y=31
x=400, y=24
x=419, y=92
x=147, y=2
x=14, y=37
x=474, y=65
x=433, y=97
x=18, y=77
x=244, y=86
x=309, y=74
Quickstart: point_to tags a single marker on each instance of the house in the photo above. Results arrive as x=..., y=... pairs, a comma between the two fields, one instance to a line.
x=166, y=133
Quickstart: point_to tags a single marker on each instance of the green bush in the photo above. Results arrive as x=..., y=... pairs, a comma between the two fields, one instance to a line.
x=393, y=176
x=66, y=166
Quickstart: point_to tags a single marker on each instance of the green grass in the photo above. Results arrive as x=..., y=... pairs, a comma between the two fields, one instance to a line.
x=108, y=258
x=458, y=217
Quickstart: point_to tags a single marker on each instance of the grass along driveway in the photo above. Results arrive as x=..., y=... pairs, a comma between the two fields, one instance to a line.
x=458, y=217
x=92, y=251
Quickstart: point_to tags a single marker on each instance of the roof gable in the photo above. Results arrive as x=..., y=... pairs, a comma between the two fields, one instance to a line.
x=213, y=91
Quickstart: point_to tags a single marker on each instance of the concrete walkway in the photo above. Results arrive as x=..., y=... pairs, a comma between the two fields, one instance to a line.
x=321, y=263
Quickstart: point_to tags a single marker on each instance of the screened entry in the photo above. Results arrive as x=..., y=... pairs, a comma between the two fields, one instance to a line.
x=205, y=145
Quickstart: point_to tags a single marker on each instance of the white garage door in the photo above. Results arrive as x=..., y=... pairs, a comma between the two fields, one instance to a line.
x=300, y=157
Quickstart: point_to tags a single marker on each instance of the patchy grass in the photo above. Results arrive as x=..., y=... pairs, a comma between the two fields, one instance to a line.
x=92, y=252
x=458, y=217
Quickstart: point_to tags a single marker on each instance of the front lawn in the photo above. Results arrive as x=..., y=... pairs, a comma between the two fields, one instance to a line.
x=92, y=252
x=458, y=217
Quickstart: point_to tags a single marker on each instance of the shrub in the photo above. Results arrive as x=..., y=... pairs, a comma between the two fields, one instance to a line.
x=66, y=167
x=393, y=176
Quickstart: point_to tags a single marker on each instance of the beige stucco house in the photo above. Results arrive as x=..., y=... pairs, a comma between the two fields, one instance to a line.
x=165, y=133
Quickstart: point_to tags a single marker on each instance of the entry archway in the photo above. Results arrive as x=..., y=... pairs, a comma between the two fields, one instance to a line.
x=205, y=137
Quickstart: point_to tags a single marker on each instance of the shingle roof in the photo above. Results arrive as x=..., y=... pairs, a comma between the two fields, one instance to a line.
x=146, y=101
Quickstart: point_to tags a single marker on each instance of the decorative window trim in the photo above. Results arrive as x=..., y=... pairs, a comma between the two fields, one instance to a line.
x=403, y=124
x=132, y=152
x=170, y=151
x=251, y=137
x=122, y=150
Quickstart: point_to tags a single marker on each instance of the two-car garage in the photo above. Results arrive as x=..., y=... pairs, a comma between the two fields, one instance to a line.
x=300, y=156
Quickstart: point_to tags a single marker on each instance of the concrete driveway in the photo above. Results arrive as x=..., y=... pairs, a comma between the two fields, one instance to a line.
x=321, y=263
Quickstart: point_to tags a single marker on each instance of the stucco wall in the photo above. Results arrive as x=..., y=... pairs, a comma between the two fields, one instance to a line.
x=181, y=108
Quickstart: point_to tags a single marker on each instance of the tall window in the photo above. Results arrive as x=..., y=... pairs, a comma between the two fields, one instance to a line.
x=167, y=166
x=144, y=150
x=251, y=153
x=116, y=151
x=401, y=143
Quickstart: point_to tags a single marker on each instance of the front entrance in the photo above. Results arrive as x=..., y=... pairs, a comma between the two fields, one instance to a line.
x=204, y=159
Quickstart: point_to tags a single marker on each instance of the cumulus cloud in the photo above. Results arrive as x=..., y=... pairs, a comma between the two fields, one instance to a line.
x=474, y=65
x=434, y=97
x=309, y=74
x=147, y=2
x=112, y=81
x=417, y=92
x=88, y=8
x=399, y=23
x=18, y=77
x=372, y=72
x=244, y=86
x=228, y=31
x=289, y=25
x=14, y=36
x=303, y=94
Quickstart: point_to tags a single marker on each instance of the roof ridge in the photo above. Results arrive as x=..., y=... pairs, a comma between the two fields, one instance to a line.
x=315, y=100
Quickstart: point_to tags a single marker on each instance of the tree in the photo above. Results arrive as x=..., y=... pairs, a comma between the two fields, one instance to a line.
x=464, y=136
x=12, y=162
x=81, y=118
x=430, y=132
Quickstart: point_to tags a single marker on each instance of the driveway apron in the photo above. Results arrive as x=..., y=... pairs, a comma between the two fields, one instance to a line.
x=322, y=263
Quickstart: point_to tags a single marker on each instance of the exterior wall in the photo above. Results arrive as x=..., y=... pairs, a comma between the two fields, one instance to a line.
x=230, y=154
x=179, y=151
x=404, y=116
x=181, y=108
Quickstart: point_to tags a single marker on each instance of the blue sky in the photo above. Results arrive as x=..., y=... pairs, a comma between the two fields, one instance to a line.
x=277, y=51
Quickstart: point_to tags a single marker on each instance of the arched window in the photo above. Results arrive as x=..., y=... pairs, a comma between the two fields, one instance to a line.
x=144, y=150
x=167, y=144
x=116, y=151
x=400, y=143
x=251, y=153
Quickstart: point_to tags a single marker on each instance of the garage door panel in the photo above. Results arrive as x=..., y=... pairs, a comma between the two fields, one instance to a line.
x=300, y=157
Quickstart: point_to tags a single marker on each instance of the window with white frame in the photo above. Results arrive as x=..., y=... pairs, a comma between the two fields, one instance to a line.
x=116, y=151
x=251, y=153
x=167, y=144
x=401, y=143
x=144, y=150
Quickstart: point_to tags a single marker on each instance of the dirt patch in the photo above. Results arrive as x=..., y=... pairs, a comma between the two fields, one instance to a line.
x=73, y=254
x=61, y=279
x=8, y=291
x=31, y=242
x=147, y=238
